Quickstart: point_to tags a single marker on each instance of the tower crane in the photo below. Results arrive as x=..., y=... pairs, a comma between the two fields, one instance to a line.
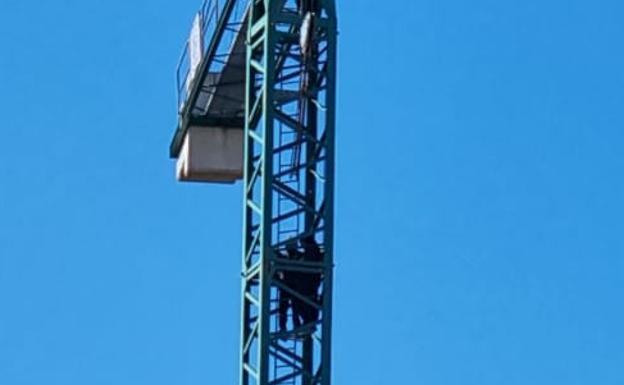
x=256, y=87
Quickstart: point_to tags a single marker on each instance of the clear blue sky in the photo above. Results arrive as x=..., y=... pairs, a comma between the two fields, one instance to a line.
x=480, y=199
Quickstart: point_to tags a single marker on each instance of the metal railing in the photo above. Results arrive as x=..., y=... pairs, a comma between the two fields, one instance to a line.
x=209, y=13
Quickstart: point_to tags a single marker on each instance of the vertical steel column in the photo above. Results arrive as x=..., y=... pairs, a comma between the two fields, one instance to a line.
x=286, y=120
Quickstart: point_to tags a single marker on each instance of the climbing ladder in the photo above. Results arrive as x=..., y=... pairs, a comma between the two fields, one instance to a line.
x=285, y=366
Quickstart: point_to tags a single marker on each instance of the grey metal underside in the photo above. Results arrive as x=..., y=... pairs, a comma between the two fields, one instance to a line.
x=223, y=94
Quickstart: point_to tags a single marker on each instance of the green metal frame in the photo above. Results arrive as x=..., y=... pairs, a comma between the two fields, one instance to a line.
x=288, y=188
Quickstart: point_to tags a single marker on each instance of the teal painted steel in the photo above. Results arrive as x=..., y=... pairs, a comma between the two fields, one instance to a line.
x=288, y=193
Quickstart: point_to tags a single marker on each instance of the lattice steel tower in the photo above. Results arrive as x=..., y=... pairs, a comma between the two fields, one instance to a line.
x=256, y=99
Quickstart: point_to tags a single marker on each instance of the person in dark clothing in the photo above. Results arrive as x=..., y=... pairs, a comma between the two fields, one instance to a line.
x=286, y=300
x=310, y=282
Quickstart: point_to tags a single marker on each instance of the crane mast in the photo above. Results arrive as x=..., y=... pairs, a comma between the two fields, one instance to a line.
x=289, y=188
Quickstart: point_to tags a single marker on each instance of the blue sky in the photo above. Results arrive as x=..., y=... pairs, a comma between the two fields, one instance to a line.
x=480, y=198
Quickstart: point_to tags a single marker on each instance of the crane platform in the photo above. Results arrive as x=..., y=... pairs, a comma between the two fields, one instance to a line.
x=208, y=141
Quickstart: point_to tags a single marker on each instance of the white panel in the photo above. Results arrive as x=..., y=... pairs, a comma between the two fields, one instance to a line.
x=211, y=155
x=196, y=49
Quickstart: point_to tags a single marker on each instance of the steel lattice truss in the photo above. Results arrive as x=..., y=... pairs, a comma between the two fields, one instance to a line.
x=288, y=187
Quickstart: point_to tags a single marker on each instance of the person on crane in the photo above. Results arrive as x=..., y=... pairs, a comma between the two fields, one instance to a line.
x=310, y=282
x=287, y=300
